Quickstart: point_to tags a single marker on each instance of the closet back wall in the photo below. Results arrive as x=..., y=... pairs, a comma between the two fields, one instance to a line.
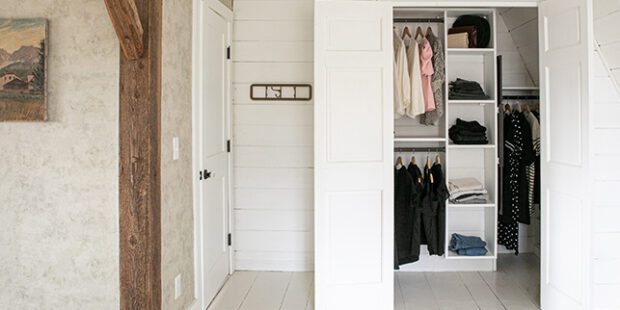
x=273, y=141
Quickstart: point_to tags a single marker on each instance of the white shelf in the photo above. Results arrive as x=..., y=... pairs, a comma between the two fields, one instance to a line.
x=453, y=255
x=520, y=88
x=470, y=51
x=419, y=139
x=471, y=146
x=470, y=205
x=483, y=101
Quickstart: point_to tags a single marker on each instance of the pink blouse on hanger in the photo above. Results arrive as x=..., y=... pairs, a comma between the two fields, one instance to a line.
x=426, y=67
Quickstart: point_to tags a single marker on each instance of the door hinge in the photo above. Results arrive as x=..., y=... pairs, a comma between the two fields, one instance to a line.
x=228, y=146
x=228, y=52
x=229, y=239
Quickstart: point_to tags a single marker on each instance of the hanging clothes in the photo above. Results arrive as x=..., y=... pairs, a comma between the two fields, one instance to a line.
x=417, y=106
x=426, y=65
x=531, y=169
x=432, y=211
x=537, y=164
x=416, y=234
x=440, y=195
x=508, y=227
x=527, y=158
x=404, y=195
x=438, y=81
x=402, y=91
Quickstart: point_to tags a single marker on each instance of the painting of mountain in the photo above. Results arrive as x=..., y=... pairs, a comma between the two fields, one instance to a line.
x=22, y=69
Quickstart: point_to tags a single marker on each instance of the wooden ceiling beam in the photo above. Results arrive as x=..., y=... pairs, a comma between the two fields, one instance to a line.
x=126, y=22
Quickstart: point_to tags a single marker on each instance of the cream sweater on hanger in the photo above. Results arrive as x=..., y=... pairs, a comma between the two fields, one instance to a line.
x=402, y=85
x=416, y=106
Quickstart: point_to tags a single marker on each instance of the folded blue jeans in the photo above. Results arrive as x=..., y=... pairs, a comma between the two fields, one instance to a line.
x=472, y=252
x=460, y=242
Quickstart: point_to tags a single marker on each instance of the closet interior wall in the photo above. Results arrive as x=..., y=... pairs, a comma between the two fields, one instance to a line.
x=272, y=140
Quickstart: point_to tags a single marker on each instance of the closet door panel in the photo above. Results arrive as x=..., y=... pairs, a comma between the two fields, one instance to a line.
x=354, y=106
x=566, y=39
x=353, y=145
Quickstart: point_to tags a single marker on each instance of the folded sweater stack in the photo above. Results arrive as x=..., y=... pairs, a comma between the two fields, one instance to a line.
x=466, y=90
x=467, y=191
x=467, y=245
x=464, y=132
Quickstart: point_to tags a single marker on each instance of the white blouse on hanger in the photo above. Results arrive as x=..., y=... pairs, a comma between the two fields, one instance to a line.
x=416, y=106
x=402, y=85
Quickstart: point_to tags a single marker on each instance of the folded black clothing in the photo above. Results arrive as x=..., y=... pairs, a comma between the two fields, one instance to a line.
x=459, y=96
x=465, y=140
x=470, y=125
x=465, y=132
x=463, y=89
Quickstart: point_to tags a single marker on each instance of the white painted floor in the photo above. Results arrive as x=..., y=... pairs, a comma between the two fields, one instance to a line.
x=515, y=286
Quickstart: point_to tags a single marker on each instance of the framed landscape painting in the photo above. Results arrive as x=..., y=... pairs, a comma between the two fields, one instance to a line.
x=22, y=70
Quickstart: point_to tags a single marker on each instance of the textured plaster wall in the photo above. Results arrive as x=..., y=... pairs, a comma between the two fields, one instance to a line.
x=177, y=209
x=59, y=180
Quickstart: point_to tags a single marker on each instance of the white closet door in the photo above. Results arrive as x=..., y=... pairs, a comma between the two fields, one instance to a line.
x=353, y=151
x=566, y=40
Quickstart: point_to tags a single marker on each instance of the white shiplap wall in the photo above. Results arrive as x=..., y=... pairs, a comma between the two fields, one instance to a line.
x=606, y=25
x=273, y=141
x=606, y=156
x=518, y=42
x=605, y=143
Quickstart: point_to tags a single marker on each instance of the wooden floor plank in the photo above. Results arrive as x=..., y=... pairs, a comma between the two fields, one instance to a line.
x=417, y=293
x=268, y=291
x=510, y=293
x=480, y=291
x=234, y=291
x=298, y=291
x=399, y=303
x=525, y=270
x=449, y=291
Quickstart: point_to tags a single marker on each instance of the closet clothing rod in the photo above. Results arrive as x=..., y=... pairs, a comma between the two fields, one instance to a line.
x=418, y=20
x=420, y=149
x=528, y=97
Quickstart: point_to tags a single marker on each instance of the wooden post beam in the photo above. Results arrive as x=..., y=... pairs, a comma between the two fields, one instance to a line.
x=140, y=151
x=126, y=21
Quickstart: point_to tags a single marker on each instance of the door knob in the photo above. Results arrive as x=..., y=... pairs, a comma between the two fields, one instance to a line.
x=206, y=174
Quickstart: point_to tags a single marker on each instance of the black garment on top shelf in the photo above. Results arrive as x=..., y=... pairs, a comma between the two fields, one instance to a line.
x=466, y=90
x=483, y=28
x=403, y=216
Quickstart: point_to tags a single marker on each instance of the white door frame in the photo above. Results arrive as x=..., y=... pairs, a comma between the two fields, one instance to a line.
x=197, y=40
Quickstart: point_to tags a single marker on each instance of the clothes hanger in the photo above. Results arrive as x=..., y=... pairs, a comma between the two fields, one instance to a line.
x=418, y=32
x=406, y=33
x=429, y=30
x=413, y=159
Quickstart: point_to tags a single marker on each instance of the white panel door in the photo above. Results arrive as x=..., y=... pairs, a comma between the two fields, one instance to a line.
x=565, y=42
x=214, y=154
x=353, y=156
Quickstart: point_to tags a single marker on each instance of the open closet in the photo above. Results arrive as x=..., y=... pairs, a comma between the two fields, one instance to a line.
x=443, y=185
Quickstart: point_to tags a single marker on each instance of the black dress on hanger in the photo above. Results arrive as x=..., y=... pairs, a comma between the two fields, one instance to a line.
x=404, y=196
x=508, y=226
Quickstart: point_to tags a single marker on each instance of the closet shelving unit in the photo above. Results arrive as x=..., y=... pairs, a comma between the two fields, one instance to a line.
x=479, y=161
